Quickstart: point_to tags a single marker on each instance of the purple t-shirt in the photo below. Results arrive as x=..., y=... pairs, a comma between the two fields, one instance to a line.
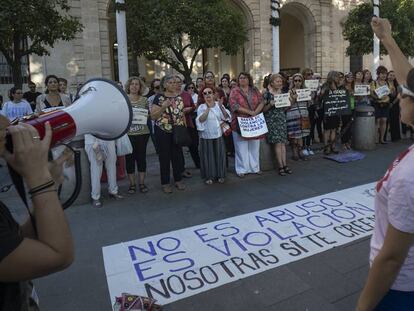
x=394, y=204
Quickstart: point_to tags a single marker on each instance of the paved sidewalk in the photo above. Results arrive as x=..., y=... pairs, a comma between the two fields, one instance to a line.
x=330, y=280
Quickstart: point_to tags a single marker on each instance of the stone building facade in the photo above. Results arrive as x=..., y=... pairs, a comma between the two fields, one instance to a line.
x=310, y=36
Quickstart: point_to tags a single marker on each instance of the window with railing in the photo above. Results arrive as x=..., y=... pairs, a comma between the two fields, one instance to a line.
x=6, y=76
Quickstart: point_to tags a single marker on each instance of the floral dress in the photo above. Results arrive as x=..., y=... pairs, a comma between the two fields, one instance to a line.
x=276, y=122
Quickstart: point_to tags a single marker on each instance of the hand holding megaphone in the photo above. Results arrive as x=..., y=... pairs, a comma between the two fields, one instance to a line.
x=101, y=108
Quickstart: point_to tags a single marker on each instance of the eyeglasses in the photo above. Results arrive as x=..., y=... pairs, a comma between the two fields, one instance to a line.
x=191, y=88
x=297, y=81
x=404, y=91
x=209, y=77
x=157, y=87
x=207, y=93
x=309, y=73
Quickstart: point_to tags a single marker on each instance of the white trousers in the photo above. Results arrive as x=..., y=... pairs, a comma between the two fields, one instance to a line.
x=96, y=168
x=247, y=154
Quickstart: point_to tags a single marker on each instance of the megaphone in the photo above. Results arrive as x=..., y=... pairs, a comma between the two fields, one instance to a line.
x=101, y=108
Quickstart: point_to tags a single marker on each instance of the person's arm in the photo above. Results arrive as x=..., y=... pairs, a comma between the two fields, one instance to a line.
x=203, y=117
x=400, y=64
x=385, y=268
x=157, y=111
x=52, y=250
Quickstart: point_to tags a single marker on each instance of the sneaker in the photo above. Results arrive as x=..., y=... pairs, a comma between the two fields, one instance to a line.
x=305, y=152
x=310, y=151
x=96, y=204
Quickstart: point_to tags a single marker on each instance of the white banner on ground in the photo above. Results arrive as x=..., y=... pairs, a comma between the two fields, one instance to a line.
x=313, y=85
x=303, y=95
x=361, y=90
x=282, y=100
x=382, y=91
x=182, y=263
x=253, y=126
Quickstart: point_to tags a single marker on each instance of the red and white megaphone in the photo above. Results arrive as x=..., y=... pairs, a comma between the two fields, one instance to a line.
x=101, y=108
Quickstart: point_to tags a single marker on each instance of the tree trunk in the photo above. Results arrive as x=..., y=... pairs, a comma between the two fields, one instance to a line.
x=17, y=72
x=187, y=77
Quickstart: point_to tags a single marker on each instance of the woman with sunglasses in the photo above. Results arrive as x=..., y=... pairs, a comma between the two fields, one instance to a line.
x=390, y=281
x=209, y=81
x=297, y=119
x=191, y=89
x=276, y=122
x=167, y=111
x=210, y=116
x=330, y=123
x=245, y=101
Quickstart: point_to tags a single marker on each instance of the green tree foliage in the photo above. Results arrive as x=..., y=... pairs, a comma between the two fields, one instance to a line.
x=174, y=32
x=357, y=28
x=40, y=22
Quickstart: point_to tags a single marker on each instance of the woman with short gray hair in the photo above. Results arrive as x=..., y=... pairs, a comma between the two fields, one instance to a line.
x=168, y=111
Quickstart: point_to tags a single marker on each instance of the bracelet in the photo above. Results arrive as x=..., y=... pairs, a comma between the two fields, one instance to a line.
x=42, y=192
x=41, y=187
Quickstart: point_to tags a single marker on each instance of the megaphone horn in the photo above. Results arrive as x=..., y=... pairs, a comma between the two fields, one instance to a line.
x=101, y=108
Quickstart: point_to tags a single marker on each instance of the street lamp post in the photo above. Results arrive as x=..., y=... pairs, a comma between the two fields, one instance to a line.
x=121, y=36
x=275, y=22
x=376, y=48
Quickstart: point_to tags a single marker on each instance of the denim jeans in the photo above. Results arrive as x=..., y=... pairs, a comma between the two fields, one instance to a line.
x=396, y=300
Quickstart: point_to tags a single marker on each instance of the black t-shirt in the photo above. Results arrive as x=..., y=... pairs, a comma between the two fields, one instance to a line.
x=10, y=239
x=31, y=98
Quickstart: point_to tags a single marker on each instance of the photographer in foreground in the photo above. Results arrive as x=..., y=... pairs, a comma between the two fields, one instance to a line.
x=390, y=283
x=43, y=244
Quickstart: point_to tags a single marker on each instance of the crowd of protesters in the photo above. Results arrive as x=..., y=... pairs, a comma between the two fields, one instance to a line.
x=209, y=109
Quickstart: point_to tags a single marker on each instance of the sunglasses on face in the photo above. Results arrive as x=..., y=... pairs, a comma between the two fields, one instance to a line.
x=207, y=93
x=404, y=91
x=297, y=81
x=209, y=77
x=191, y=88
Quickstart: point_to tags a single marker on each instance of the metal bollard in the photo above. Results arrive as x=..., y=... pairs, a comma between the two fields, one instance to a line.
x=364, y=129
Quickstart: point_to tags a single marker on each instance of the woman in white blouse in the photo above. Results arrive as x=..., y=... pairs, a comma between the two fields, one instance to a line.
x=210, y=116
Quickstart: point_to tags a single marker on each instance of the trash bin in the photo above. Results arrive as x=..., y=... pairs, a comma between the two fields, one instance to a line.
x=364, y=129
x=267, y=156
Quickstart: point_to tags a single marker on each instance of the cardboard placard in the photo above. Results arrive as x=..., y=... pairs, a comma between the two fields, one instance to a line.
x=382, y=91
x=281, y=100
x=252, y=127
x=337, y=103
x=139, y=116
x=313, y=85
x=303, y=95
x=361, y=90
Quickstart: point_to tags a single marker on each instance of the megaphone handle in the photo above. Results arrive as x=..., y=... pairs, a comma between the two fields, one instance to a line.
x=78, y=179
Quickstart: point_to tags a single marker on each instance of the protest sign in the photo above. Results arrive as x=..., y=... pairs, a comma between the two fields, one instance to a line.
x=253, y=126
x=178, y=264
x=313, y=85
x=361, y=90
x=303, y=95
x=382, y=91
x=281, y=100
x=337, y=103
x=139, y=116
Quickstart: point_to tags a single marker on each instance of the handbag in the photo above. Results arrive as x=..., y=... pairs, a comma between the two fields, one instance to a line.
x=225, y=128
x=180, y=134
x=135, y=303
x=123, y=146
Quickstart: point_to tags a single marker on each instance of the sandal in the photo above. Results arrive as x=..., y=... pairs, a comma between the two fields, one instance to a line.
x=143, y=188
x=208, y=182
x=282, y=171
x=167, y=189
x=187, y=174
x=287, y=170
x=180, y=186
x=220, y=180
x=132, y=189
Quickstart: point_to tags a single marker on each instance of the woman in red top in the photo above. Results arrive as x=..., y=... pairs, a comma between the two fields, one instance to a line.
x=245, y=101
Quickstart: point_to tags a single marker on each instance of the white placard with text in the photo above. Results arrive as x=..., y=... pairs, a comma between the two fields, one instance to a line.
x=140, y=116
x=253, y=126
x=281, y=100
x=382, y=91
x=313, y=85
x=361, y=90
x=303, y=95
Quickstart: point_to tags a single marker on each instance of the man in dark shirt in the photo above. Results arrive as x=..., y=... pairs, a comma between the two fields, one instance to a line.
x=31, y=95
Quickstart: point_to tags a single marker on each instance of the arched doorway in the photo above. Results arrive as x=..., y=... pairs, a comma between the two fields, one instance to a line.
x=297, y=38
